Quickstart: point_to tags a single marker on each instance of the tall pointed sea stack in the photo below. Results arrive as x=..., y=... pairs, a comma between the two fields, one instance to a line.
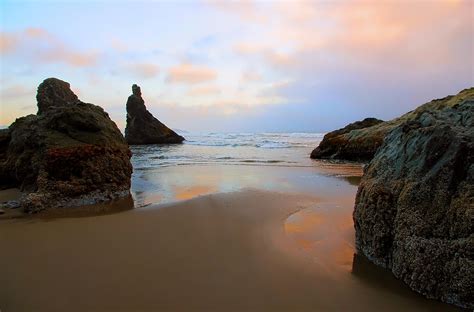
x=142, y=127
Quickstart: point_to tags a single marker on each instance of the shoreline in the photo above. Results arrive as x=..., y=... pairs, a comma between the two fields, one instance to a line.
x=226, y=251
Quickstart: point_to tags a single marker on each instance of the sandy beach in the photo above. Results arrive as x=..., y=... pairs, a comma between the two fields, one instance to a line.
x=236, y=155
x=258, y=249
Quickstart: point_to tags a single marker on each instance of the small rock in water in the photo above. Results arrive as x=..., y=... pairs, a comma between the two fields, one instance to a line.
x=2, y=211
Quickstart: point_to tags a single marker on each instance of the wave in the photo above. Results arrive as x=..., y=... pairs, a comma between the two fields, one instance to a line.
x=278, y=149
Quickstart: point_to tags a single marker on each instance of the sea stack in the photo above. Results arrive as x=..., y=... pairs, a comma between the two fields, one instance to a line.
x=414, y=210
x=142, y=127
x=69, y=154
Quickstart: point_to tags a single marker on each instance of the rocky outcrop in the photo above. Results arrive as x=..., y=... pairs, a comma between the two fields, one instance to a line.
x=54, y=93
x=69, y=154
x=346, y=143
x=360, y=140
x=142, y=127
x=414, y=211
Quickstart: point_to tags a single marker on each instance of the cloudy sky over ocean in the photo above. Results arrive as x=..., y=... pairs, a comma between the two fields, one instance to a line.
x=239, y=66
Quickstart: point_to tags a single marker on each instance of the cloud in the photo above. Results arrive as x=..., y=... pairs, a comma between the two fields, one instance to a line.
x=275, y=88
x=144, y=70
x=8, y=43
x=382, y=41
x=247, y=47
x=40, y=46
x=61, y=54
x=225, y=101
x=33, y=32
x=16, y=91
x=204, y=90
x=118, y=45
x=191, y=74
x=245, y=9
x=369, y=28
x=251, y=76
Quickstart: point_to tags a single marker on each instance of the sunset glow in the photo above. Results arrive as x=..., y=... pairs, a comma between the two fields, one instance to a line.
x=239, y=66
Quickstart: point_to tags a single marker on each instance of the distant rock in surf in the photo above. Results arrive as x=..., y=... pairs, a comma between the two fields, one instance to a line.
x=350, y=142
x=142, y=127
x=69, y=154
x=414, y=210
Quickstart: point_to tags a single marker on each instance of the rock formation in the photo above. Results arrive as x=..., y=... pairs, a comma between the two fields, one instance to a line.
x=359, y=141
x=142, y=127
x=348, y=144
x=414, y=211
x=69, y=154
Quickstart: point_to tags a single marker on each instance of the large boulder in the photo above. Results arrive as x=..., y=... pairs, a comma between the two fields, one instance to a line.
x=359, y=141
x=414, y=210
x=142, y=127
x=348, y=144
x=69, y=154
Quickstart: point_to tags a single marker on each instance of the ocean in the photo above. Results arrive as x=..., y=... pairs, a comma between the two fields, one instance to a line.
x=227, y=162
x=276, y=149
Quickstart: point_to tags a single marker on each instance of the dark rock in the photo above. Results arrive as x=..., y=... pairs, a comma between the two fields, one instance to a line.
x=142, y=127
x=414, y=211
x=346, y=144
x=53, y=92
x=4, y=141
x=359, y=141
x=70, y=154
x=1, y=211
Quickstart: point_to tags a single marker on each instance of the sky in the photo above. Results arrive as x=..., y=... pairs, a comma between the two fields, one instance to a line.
x=239, y=66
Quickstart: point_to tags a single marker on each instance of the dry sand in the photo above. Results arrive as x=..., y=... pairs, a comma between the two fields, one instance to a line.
x=222, y=252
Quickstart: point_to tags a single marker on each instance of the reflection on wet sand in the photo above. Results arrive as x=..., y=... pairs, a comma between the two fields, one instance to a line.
x=188, y=192
x=325, y=233
x=384, y=281
x=170, y=184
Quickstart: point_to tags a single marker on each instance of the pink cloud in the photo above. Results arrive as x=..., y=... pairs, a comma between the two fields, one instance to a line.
x=119, y=45
x=250, y=75
x=244, y=48
x=317, y=34
x=204, y=90
x=189, y=73
x=61, y=54
x=144, y=70
x=247, y=10
x=8, y=43
x=42, y=46
x=33, y=32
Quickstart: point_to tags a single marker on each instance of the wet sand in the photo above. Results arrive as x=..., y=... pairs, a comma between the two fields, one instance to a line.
x=249, y=250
